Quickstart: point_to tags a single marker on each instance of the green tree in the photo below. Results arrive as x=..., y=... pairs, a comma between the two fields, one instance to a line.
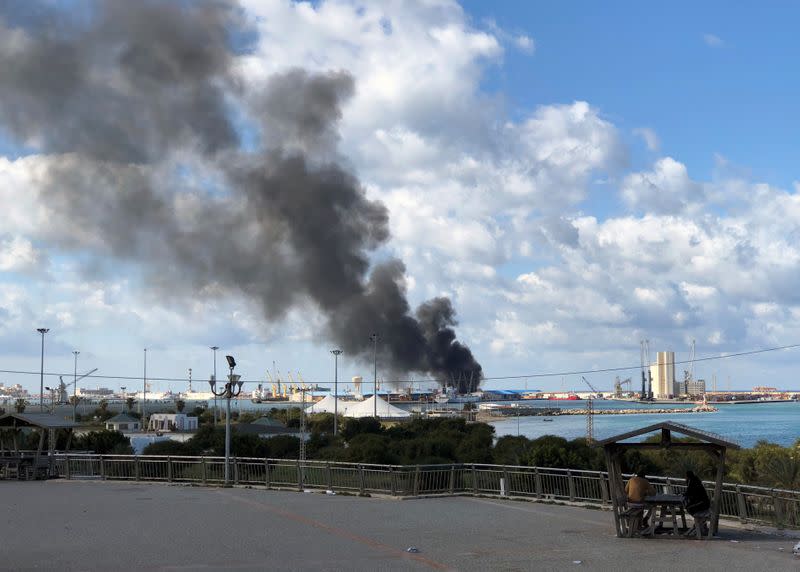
x=104, y=442
x=180, y=404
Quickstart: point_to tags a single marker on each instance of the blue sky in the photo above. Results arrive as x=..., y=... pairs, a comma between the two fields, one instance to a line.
x=637, y=181
x=657, y=65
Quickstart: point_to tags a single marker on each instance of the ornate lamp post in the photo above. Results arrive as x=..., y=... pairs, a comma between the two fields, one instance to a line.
x=231, y=389
x=336, y=354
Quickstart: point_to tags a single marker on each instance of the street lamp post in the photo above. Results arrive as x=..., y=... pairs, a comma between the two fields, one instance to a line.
x=124, y=400
x=232, y=389
x=336, y=354
x=42, y=331
x=75, y=387
x=374, y=338
x=215, y=348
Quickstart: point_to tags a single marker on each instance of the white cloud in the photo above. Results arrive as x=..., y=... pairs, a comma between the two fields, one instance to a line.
x=525, y=43
x=713, y=41
x=649, y=137
x=667, y=189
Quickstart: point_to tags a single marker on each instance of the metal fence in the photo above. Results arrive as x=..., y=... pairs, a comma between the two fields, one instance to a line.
x=775, y=507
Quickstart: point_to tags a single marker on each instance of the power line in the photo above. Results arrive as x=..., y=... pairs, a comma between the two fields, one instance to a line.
x=494, y=378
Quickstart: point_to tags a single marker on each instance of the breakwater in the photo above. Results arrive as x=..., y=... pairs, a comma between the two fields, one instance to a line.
x=506, y=412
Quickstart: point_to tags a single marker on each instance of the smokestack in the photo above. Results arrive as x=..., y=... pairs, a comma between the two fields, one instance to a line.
x=129, y=100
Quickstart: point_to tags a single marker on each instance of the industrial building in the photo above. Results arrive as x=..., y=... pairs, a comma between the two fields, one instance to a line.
x=662, y=373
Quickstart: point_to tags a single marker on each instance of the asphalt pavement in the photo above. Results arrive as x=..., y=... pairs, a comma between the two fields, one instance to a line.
x=80, y=525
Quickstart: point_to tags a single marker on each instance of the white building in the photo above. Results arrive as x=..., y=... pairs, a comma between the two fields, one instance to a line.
x=172, y=422
x=123, y=423
x=663, y=374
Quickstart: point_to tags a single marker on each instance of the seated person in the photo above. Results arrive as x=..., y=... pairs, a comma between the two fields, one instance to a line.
x=695, y=499
x=638, y=488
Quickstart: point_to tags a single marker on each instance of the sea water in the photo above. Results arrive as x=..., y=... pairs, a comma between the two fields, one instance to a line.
x=744, y=424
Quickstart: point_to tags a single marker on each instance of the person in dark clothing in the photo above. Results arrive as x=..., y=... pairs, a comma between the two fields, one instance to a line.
x=695, y=499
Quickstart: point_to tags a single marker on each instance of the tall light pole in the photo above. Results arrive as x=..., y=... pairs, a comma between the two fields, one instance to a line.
x=215, y=348
x=75, y=387
x=336, y=354
x=124, y=400
x=232, y=389
x=374, y=338
x=42, y=331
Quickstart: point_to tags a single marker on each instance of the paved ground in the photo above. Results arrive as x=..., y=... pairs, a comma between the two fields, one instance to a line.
x=69, y=525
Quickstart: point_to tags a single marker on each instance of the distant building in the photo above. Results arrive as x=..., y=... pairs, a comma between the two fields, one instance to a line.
x=95, y=392
x=172, y=422
x=123, y=422
x=695, y=387
x=663, y=374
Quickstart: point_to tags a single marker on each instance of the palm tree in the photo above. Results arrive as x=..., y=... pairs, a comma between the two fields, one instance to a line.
x=179, y=405
x=20, y=405
x=129, y=403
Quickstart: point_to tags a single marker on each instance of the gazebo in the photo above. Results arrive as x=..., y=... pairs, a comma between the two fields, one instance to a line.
x=21, y=463
x=615, y=447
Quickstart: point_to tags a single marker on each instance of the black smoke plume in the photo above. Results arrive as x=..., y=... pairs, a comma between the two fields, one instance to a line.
x=135, y=102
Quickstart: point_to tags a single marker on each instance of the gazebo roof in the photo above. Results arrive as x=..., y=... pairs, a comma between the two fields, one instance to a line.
x=41, y=420
x=671, y=426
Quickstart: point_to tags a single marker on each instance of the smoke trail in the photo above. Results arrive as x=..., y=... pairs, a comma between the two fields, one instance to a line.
x=138, y=101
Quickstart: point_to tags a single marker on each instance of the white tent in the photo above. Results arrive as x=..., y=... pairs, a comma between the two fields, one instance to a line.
x=327, y=405
x=366, y=408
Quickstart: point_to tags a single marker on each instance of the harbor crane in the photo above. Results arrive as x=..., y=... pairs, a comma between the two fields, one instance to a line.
x=618, y=383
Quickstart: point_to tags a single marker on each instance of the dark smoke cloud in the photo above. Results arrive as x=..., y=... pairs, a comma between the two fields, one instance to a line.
x=134, y=95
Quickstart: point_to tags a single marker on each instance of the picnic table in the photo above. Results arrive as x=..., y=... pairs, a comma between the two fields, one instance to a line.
x=665, y=506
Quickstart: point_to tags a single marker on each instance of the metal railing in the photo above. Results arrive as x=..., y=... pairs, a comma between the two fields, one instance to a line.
x=773, y=507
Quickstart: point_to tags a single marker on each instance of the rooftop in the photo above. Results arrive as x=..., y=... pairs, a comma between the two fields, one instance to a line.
x=112, y=526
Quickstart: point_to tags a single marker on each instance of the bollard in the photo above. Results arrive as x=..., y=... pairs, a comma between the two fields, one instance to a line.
x=502, y=486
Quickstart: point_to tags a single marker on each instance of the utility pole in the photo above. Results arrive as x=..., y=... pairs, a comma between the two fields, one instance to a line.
x=214, y=349
x=75, y=387
x=374, y=337
x=144, y=389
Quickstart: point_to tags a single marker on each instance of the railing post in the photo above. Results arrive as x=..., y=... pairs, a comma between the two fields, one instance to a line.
x=537, y=478
x=571, y=484
x=452, y=479
x=266, y=473
x=236, y=470
x=299, y=476
x=361, y=484
x=329, y=475
x=668, y=488
x=416, y=482
x=603, y=489
x=67, y=472
x=741, y=504
x=474, y=480
x=393, y=478
x=776, y=504
x=507, y=481
x=203, y=473
x=102, y=468
x=136, y=470
x=169, y=469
